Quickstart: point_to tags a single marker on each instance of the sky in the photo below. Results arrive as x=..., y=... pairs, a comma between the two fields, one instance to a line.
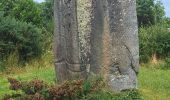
x=166, y=4
x=39, y=1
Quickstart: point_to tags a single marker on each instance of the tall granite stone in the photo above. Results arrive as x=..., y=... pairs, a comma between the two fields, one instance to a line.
x=115, y=48
x=120, y=44
x=97, y=37
x=72, y=36
x=125, y=47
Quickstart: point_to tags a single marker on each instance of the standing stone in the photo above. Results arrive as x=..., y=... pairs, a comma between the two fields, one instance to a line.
x=84, y=15
x=71, y=47
x=96, y=36
x=115, y=48
x=100, y=35
x=125, y=47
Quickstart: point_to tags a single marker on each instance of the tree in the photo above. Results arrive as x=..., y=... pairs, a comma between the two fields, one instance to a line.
x=23, y=10
x=167, y=20
x=19, y=36
x=149, y=12
x=48, y=15
x=48, y=10
x=159, y=12
x=6, y=6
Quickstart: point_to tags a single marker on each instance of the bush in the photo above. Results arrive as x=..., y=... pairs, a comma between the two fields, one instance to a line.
x=154, y=40
x=21, y=37
x=149, y=12
x=69, y=90
x=167, y=62
x=2, y=67
x=23, y=10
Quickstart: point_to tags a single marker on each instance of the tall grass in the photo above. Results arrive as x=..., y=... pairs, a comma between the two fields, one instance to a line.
x=12, y=64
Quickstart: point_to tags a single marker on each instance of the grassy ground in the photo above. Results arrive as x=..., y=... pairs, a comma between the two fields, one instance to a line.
x=154, y=84
x=47, y=74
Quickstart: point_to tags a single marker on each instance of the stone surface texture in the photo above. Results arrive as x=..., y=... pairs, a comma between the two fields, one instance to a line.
x=99, y=37
x=125, y=48
x=71, y=46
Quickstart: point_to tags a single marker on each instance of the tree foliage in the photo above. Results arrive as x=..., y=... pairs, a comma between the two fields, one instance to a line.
x=47, y=8
x=154, y=40
x=24, y=10
x=47, y=13
x=149, y=12
x=23, y=25
x=19, y=36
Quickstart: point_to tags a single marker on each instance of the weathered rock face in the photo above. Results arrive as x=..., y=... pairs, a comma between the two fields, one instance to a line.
x=96, y=36
x=100, y=35
x=125, y=42
x=84, y=15
x=72, y=32
x=120, y=56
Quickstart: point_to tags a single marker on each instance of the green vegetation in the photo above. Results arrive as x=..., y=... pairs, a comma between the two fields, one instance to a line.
x=26, y=30
x=153, y=83
x=27, y=74
x=154, y=41
x=23, y=10
x=19, y=36
x=150, y=12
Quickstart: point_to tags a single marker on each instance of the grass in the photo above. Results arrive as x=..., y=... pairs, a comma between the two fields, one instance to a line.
x=46, y=74
x=154, y=84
